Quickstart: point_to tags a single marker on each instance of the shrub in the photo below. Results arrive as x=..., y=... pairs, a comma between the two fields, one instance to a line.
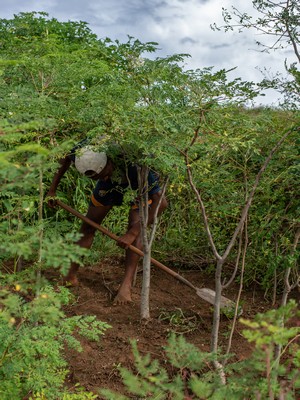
x=33, y=333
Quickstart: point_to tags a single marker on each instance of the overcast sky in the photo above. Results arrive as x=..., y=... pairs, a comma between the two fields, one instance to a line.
x=179, y=26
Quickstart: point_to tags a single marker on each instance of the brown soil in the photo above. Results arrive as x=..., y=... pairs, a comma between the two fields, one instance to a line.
x=97, y=366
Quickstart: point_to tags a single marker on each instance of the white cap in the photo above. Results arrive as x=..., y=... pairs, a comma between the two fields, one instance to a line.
x=89, y=160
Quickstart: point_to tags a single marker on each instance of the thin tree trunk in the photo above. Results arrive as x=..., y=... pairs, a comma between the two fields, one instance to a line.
x=143, y=210
x=236, y=311
x=275, y=275
x=217, y=307
x=147, y=240
x=41, y=231
x=221, y=259
x=287, y=285
x=145, y=293
x=287, y=288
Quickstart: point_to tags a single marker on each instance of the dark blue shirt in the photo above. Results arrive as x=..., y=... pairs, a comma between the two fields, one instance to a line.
x=111, y=191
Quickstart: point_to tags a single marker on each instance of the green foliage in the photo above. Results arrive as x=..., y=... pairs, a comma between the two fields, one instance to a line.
x=33, y=333
x=189, y=372
x=70, y=84
x=60, y=84
x=276, y=376
x=278, y=26
x=268, y=328
x=179, y=322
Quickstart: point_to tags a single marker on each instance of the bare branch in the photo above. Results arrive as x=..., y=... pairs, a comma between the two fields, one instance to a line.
x=250, y=198
x=203, y=210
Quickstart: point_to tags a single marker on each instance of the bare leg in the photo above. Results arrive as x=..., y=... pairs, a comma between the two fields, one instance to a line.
x=131, y=262
x=96, y=214
x=131, y=259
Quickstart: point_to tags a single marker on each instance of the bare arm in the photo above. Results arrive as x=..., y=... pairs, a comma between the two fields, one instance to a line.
x=64, y=166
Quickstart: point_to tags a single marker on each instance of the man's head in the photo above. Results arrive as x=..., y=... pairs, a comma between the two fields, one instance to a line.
x=89, y=162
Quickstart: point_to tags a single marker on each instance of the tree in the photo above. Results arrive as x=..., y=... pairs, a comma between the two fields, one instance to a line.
x=278, y=23
x=58, y=88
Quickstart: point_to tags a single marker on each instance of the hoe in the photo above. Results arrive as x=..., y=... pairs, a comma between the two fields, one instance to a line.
x=205, y=293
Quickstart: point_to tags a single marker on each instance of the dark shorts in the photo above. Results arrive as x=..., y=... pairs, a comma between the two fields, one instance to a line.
x=109, y=193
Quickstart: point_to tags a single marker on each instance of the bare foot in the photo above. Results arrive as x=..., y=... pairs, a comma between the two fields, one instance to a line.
x=123, y=296
x=70, y=281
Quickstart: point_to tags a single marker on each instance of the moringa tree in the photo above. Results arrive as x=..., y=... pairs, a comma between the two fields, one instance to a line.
x=277, y=23
x=60, y=84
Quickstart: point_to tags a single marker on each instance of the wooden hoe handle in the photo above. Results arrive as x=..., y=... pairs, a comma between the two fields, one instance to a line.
x=131, y=247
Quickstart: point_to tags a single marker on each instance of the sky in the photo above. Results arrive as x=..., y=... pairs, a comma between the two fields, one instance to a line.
x=178, y=26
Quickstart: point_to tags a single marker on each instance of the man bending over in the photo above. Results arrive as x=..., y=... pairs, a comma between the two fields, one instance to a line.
x=112, y=178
